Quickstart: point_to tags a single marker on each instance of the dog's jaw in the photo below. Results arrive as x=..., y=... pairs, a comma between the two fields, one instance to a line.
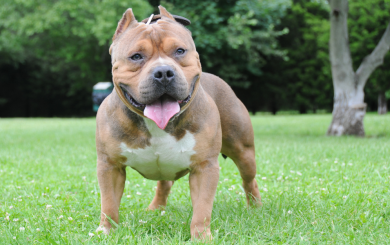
x=139, y=108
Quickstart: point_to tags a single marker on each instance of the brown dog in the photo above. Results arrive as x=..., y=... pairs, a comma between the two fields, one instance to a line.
x=166, y=118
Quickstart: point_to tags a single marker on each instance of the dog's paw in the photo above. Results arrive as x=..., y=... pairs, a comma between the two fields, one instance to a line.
x=105, y=230
x=200, y=232
x=154, y=206
x=255, y=203
x=204, y=236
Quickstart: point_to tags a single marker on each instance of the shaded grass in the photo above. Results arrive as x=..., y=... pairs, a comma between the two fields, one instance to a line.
x=315, y=189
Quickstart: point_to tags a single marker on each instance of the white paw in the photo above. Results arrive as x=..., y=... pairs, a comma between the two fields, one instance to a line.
x=105, y=230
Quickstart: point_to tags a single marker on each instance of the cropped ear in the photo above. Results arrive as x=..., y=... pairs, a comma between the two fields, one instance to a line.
x=165, y=13
x=181, y=20
x=128, y=20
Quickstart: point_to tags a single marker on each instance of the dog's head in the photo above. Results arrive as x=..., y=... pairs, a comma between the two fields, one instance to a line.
x=155, y=66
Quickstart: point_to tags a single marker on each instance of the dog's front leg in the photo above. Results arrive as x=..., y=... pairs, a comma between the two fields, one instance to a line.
x=112, y=183
x=203, y=185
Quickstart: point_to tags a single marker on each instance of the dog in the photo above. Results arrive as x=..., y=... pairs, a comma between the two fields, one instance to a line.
x=166, y=118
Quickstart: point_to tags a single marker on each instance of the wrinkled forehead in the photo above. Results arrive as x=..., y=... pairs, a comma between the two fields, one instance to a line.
x=162, y=35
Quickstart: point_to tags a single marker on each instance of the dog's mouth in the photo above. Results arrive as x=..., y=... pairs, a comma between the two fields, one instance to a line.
x=162, y=110
x=132, y=101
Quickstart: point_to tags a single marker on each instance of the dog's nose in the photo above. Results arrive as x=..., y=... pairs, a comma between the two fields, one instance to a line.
x=163, y=74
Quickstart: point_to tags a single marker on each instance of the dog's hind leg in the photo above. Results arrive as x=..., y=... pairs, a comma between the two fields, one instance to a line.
x=244, y=158
x=246, y=164
x=162, y=192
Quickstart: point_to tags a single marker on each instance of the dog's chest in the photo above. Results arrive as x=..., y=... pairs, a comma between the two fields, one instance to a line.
x=165, y=159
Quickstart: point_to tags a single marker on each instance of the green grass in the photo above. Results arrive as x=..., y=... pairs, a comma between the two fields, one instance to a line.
x=315, y=189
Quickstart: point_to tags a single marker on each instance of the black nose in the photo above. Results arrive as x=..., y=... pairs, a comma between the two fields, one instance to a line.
x=163, y=74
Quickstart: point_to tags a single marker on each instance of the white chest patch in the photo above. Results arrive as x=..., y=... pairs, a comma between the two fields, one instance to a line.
x=165, y=156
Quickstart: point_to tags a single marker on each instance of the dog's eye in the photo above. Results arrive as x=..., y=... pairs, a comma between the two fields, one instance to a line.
x=180, y=51
x=136, y=57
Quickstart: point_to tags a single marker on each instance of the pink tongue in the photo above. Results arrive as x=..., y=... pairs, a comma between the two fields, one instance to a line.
x=162, y=110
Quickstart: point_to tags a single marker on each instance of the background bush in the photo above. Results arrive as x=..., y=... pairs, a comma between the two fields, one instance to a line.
x=274, y=53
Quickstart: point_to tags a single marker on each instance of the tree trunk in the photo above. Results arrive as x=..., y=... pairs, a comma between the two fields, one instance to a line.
x=348, y=115
x=382, y=103
x=349, y=108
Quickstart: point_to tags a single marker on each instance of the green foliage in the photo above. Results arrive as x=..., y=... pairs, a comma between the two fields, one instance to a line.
x=62, y=46
x=235, y=40
x=69, y=27
x=336, y=189
x=233, y=36
x=302, y=82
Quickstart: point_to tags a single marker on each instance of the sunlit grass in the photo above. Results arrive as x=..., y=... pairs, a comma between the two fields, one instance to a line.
x=315, y=189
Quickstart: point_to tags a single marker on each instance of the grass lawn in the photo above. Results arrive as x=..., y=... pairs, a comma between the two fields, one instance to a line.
x=315, y=189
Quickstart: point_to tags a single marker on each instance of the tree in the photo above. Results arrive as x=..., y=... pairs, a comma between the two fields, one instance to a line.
x=380, y=85
x=349, y=107
x=367, y=21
